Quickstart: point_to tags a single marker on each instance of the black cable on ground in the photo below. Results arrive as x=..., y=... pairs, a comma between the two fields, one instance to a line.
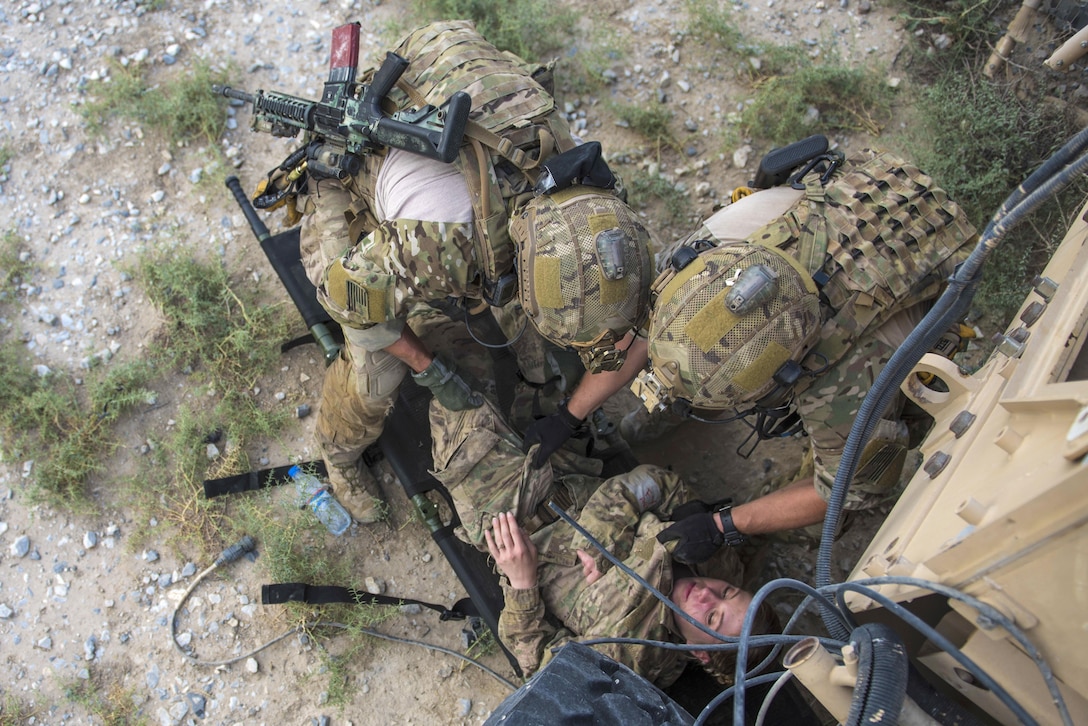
x=247, y=544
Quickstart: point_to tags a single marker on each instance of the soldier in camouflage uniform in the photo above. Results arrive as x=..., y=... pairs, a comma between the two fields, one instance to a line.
x=840, y=272
x=552, y=569
x=406, y=231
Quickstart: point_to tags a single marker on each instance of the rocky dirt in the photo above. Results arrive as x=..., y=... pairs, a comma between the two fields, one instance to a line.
x=79, y=599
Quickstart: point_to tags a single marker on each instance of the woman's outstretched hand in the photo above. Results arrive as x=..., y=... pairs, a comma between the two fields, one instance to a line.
x=513, y=551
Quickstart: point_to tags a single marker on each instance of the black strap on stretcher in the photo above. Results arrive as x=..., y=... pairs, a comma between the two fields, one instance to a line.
x=327, y=594
x=260, y=479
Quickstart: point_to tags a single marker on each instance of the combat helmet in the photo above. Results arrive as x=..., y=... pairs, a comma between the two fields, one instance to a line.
x=729, y=326
x=584, y=269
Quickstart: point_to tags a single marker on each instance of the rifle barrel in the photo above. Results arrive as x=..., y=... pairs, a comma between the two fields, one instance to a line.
x=232, y=93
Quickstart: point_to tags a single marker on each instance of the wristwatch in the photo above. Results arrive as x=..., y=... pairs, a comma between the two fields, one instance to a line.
x=733, y=538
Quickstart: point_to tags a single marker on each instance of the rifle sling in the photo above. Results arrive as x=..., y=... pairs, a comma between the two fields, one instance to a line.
x=260, y=479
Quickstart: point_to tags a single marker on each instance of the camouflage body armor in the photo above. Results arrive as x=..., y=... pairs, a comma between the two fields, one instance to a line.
x=879, y=238
x=513, y=127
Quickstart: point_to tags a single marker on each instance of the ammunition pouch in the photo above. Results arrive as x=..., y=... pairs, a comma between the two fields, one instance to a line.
x=355, y=300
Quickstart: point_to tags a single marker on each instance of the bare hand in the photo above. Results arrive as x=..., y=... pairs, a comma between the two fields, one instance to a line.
x=514, y=552
x=589, y=567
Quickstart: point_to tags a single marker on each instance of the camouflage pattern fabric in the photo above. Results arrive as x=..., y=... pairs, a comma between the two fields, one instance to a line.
x=513, y=122
x=584, y=270
x=479, y=459
x=400, y=263
x=828, y=409
x=361, y=386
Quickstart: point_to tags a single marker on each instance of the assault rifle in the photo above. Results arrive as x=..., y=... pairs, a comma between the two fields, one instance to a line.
x=348, y=121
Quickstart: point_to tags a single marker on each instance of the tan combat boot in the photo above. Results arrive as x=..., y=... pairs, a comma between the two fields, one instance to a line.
x=352, y=487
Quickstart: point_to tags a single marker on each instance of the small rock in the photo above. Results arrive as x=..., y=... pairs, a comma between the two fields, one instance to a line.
x=740, y=156
x=90, y=539
x=465, y=705
x=89, y=647
x=21, y=546
x=374, y=586
x=251, y=665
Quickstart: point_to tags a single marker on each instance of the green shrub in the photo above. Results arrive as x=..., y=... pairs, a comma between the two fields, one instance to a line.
x=181, y=108
x=209, y=329
x=15, y=264
x=847, y=99
x=64, y=428
x=979, y=140
x=650, y=120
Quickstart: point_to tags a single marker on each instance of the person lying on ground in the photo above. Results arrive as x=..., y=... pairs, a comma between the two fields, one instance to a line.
x=557, y=586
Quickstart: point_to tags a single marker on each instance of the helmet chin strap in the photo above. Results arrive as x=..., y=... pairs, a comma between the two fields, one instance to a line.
x=779, y=421
x=773, y=416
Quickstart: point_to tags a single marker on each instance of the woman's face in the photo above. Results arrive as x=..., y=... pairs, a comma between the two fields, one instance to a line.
x=714, y=603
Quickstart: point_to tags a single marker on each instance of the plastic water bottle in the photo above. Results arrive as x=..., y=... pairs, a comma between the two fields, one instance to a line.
x=316, y=496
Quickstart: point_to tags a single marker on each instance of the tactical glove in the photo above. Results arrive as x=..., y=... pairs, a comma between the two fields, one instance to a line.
x=698, y=537
x=689, y=508
x=550, y=432
x=448, y=387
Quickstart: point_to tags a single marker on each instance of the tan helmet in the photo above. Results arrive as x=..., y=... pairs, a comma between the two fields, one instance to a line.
x=584, y=269
x=725, y=320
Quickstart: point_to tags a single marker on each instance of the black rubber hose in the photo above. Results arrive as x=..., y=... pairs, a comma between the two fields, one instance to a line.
x=883, y=670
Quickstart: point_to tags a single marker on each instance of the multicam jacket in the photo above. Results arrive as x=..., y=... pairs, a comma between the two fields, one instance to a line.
x=479, y=460
x=374, y=269
x=513, y=126
x=880, y=241
x=614, y=605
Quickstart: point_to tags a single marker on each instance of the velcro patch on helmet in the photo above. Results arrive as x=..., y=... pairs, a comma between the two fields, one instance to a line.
x=546, y=282
x=708, y=326
x=759, y=371
x=613, y=292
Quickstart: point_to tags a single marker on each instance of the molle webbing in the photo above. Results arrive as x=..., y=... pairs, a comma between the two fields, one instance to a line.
x=880, y=238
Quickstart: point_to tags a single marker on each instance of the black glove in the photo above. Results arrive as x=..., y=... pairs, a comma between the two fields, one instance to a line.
x=698, y=535
x=687, y=509
x=448, y=387
x=550, y=432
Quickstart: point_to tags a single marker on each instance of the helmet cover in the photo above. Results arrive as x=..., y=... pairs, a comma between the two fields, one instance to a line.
x=718, y=349
x=584, y=268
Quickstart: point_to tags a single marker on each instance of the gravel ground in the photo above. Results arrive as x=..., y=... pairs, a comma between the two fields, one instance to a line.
x=79, y=599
